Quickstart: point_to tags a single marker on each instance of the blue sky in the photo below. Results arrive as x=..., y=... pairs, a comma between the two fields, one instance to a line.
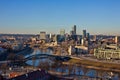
x=33, y=16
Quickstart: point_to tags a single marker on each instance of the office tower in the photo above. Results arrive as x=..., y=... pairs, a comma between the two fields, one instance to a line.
x=62, y=32
x=70, y=50
x=62, y=35
x=74, y=30
x=88, y=36
x=55, y=38
x=84, y=34
x=94, y=37
x=50, y=35
x=82, y=42
x=43, y=35
x=117, y=40
x=71, y=32
x=88, y=41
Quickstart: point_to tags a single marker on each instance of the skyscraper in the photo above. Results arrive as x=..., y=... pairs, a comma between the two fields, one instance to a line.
x=117, y=39
x=74, y=30
x=88, y=36
x=43, y=35
x=94, y=37
x=84, y=34
x=62, y=32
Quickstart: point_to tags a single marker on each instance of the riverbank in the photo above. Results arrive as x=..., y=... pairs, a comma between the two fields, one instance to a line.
x=26, y=51
x=23, y=52
x=94, y=65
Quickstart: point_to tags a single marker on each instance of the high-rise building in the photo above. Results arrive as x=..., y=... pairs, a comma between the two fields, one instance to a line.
x=50, y=35
x=71, y=32
x=84, y=34
x=88, y=36
x=82, y=42
x=117, y=39
x=62, y=32
x=55, y=38
x=94, y=37
x=74, y=30
x=88, y=41
x=43, y=35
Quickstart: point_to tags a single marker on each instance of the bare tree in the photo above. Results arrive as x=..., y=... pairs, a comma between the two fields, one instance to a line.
x=44, y=65
x=11, y=56
x=19, y=59
x=4, y=67
x=70, y=68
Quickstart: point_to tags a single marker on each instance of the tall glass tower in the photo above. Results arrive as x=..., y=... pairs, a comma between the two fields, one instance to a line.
x=84, y=34
x=74, y=29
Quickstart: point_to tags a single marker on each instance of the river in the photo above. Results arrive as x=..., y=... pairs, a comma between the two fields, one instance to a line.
x=68, y=71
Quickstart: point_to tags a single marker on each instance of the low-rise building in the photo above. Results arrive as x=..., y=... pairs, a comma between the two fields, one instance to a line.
x=81, y=49
x=109, y=53
x=17, y=46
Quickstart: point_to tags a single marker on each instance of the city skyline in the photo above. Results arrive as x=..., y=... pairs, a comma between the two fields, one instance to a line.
x=33, y=16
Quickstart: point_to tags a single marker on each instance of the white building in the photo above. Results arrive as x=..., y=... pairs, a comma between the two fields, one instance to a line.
x=113, y=53
x=117, y=39
x=82, y=49
x=71, y=50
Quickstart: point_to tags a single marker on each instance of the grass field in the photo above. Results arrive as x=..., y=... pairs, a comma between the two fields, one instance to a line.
x=96, y=65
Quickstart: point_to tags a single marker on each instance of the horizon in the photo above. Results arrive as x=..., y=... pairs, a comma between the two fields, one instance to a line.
x=33, y=16
x=54, y=34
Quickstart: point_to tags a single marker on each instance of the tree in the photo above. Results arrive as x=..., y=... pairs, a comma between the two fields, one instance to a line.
x=11, y=56
x=44, y=65
x=16, y=59
x=4, y=67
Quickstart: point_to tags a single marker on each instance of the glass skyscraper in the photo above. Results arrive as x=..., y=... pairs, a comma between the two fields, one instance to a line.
x=74, y=30
x=84, y=34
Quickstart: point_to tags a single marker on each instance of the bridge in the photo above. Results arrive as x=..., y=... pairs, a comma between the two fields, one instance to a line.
x=40, y=56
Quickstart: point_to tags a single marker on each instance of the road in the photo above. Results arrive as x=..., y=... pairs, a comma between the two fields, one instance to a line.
x=95, y=59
